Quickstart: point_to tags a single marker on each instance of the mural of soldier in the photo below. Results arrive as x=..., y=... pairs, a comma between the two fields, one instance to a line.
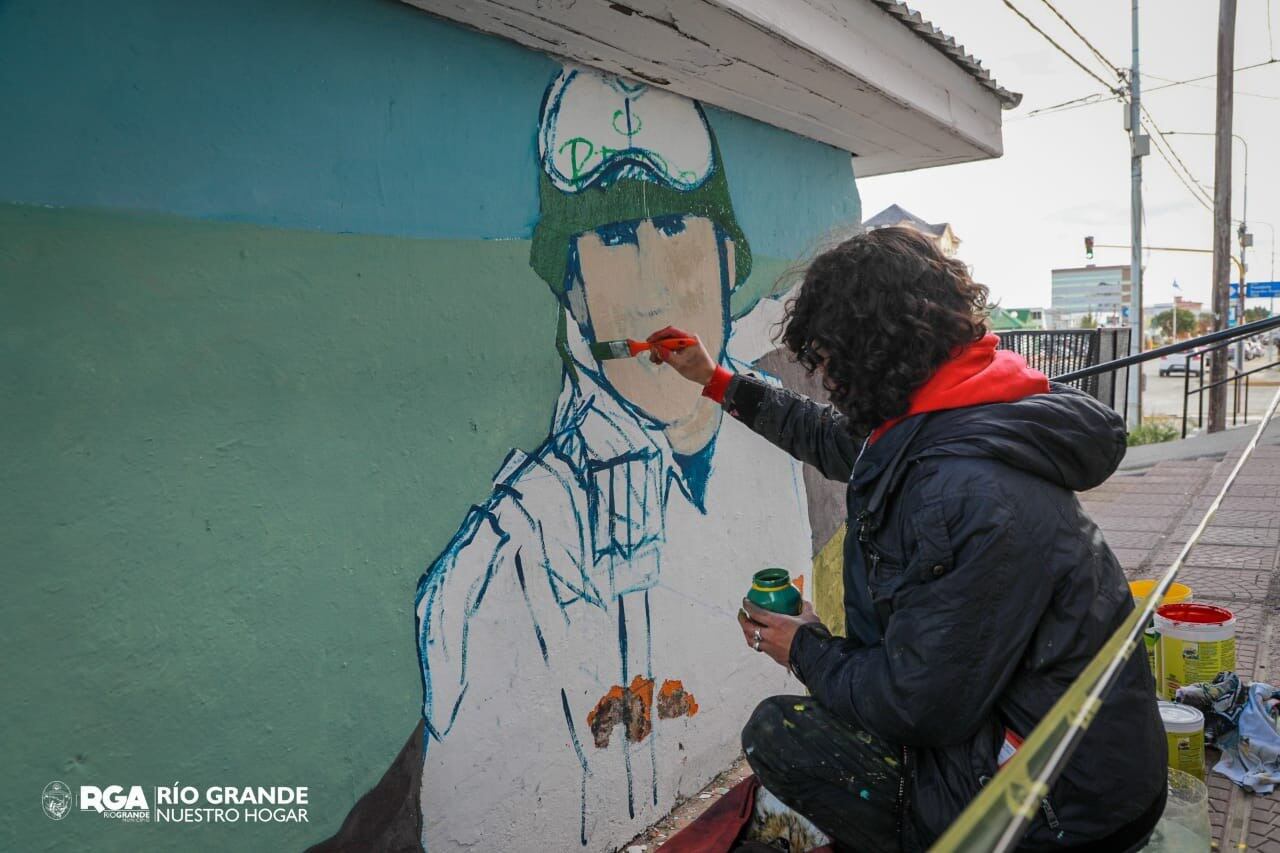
x=567, y=627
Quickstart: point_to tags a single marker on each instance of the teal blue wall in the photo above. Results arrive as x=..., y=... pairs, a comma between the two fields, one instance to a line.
x=260, y=355
x=349, y=116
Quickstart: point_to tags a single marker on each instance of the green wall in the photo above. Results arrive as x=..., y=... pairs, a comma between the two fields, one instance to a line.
x=230, y=451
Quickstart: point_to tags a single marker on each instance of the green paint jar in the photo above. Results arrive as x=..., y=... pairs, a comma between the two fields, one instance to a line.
x=772, y=590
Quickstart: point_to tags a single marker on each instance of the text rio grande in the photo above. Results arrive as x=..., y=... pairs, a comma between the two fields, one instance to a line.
x=184, y=804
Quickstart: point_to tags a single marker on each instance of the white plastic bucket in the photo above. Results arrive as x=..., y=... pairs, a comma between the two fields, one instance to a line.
x=1197, y=641
x=1184, y=730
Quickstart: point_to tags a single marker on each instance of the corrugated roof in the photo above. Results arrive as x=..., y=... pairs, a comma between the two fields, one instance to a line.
x=896, y=215
x=948, y=47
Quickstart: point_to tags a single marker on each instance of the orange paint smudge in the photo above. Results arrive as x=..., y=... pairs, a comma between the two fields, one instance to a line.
x=675, y=701
x=630, y=706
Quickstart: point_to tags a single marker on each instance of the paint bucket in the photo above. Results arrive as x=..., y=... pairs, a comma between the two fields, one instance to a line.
x=1178, y=593
x=1197, y=641
x=772, y=590
x=1184, y=730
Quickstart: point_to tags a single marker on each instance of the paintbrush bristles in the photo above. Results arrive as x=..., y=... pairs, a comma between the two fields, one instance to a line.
x=605, y=350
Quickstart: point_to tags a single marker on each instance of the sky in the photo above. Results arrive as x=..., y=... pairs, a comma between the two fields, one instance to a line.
x=1065, y=174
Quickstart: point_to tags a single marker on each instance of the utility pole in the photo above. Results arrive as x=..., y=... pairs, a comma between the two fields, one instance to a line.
x=1139, y=146
x=1222, y=209
x=1246, y=240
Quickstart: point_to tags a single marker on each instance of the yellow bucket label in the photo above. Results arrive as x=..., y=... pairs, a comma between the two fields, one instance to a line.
x=1184, y=662
x=1186, y=752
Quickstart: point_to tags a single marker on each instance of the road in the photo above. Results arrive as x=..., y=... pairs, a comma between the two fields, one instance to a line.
x=1164, y=393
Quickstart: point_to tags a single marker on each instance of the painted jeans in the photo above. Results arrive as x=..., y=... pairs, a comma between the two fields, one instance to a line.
x=844, y=779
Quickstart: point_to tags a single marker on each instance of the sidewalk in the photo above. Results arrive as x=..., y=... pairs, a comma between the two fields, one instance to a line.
x=1147, y=517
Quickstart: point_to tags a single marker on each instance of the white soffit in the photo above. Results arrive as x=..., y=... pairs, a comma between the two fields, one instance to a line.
x=867, y=76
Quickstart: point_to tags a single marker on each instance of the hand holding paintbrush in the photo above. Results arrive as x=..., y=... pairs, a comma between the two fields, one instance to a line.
x=690, y=358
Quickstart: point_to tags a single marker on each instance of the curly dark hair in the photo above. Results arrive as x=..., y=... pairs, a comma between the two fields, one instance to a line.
x=878, y=314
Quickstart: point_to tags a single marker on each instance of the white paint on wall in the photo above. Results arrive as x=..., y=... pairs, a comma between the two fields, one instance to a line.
x=581, y=659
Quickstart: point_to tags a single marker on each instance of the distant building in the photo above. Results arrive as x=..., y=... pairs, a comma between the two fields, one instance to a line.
x=1151, y=311
x=1016, y=319
x=1030, y=318
x=1003, y=320
x=1104, y=293
x=941, y=232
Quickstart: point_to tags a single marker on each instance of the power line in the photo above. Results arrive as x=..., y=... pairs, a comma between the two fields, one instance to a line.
x=1271, y=50
x=1151, y=121
x=1199, y=196
x=1208, y=76
x=1162, y=145
x=1087, y=43
x=1061, y=49
x=1210, y=88
x=1075, y=103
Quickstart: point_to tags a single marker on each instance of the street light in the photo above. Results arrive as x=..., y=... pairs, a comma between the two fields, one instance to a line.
x=1244, y=232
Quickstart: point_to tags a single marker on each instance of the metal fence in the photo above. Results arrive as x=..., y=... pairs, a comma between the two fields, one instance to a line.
x=1059, y=351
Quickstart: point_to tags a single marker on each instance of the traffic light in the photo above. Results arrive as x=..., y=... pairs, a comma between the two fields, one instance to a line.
x=1088, y=247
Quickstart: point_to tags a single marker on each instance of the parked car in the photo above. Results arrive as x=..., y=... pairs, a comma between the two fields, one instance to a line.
x=1253, y=349
x=1178, y=363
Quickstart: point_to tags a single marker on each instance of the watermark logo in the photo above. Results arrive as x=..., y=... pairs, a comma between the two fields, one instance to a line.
x=243, y=804
x=115, y=803
x=56, y=800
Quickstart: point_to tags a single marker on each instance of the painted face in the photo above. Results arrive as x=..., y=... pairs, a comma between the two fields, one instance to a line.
x=641, y=276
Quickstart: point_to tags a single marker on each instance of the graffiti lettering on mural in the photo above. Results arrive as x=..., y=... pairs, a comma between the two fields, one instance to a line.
x=564, y=556
x=597, y=129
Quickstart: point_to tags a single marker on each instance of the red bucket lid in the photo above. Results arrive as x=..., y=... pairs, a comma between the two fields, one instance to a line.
x=1200, y=614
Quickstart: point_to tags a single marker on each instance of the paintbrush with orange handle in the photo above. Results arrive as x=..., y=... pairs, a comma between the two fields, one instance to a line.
x=627, y=348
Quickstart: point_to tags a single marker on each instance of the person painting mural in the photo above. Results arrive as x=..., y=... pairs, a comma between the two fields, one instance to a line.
x=976, y=588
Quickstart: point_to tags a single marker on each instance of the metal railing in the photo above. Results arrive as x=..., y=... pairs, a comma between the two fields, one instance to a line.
x=1235, y=380
x=1248, y=330
x=1090, y=358
x=1064, y=351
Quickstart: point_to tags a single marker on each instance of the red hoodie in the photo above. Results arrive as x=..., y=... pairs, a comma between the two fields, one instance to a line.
x=978, y=374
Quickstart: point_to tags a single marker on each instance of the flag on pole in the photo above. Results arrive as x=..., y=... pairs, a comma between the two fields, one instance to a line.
x=1175, y=285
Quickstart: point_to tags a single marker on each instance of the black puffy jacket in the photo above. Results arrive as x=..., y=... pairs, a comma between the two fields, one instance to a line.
x=975, y=590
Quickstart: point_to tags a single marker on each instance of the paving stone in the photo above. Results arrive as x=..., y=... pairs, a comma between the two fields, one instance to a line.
x=1264, y=823
x=1219, y=534
x=1246, y=656
x=1255, y=490
x=1238, y=518
x=1237, y=557
x=1249, y=618
x=1131, y=559
x=1219, y=791
x=1255, y=474
x=1119, y=522
x=1233, y=502
x=1098, y=509
x=1214, y=585
x=1121, y=539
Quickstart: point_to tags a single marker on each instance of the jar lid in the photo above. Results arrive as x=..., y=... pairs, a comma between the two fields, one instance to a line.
x=1181, y=718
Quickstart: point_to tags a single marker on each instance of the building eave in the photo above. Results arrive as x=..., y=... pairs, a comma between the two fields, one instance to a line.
x=864, y=76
